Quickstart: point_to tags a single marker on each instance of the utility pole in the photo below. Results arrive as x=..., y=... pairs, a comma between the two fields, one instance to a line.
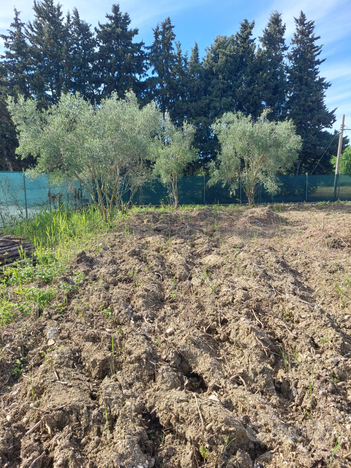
x=336, y=179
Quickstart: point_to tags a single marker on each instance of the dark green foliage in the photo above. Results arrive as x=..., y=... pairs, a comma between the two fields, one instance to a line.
x=162, y=58
x=14, y=79
x=120, y=62
x=8, y=141
x=272, y=57
x=81, y=57
x=16, y=66
x=48, y=36
x=180, y=84
x=248, y=72
x=306, y=93
x=198, y=110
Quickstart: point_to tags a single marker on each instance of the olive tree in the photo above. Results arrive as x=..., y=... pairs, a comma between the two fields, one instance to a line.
x=107, y=148
x=174, y=152
x=253, y=151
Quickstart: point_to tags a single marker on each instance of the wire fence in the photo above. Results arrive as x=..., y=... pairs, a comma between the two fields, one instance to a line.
x=21, y=197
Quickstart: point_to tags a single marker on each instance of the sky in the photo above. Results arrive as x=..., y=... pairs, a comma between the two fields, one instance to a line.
x=203, y=20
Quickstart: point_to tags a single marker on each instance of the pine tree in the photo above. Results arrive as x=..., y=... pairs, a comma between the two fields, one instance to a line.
x=162, y=58
x=48, y=36
x=121, y=63
x=272, y=56
x=306, y=93
x=81, y=57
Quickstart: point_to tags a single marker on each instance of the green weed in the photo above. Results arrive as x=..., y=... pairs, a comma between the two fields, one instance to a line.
x=18, y=367
x=336, y=448
x=286, y=359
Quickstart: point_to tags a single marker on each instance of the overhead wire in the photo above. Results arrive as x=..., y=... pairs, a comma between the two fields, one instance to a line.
x=335, y=134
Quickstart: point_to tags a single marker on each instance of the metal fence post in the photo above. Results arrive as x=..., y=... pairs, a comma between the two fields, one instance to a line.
x=306, y=197
x=25, y=192
x=204, y=189
x=240, y=189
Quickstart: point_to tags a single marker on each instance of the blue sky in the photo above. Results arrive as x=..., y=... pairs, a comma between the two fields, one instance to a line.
x=203, y=20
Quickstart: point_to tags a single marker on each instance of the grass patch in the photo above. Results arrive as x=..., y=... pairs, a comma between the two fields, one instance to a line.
x=30, y=283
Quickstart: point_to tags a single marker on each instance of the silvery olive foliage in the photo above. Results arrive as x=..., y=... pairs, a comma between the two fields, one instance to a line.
x=253, y=151
x=174, y=153
x=107, y=148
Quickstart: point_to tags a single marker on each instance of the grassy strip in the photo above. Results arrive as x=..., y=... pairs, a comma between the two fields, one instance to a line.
x=30, y=284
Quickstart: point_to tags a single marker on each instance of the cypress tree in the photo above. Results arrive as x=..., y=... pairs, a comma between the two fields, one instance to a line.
x=81, y=57
x=179, y=87
x=15, y=75
x=198, y=103
x=195, y=85
x=48, y=36
x=121, y=63
x=272, y=57
x=248, y=75
x=306, y=93
x=220, y=64
x=8, y=138
x=16, y=68
x=162, y=59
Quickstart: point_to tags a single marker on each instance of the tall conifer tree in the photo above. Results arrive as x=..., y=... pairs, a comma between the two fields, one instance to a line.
x=15, y=75
x=248, y=76
x=81, y=57
x=120, y=61
x=162, y=58
x=179, y=91
x=220, y=65
x=272, y=56
x=48, y=52
x=306, y=93
x=17, y=70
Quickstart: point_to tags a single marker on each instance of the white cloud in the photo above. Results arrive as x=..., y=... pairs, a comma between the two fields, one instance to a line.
x=331, y=17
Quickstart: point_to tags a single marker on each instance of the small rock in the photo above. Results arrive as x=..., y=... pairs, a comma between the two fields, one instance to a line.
x=51, y=342
x=169, y=331
x=213, y=398
x=8, y=417
x=53, y=333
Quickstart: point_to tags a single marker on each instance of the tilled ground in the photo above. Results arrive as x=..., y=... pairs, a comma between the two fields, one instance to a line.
x=217, y=338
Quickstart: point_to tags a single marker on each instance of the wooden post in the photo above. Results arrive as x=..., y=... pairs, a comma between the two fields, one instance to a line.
x=306, y=197
x=336, y=178
x=25, y=193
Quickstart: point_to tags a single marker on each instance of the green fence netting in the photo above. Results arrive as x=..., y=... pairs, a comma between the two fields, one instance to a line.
x=21, y=196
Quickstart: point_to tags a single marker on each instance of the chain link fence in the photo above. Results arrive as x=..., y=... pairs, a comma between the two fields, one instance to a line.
x=21, y=197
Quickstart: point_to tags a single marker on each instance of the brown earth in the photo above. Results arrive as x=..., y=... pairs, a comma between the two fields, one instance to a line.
x=205, y=338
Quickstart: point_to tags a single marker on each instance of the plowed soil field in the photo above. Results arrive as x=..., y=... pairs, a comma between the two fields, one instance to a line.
x=200, y=338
